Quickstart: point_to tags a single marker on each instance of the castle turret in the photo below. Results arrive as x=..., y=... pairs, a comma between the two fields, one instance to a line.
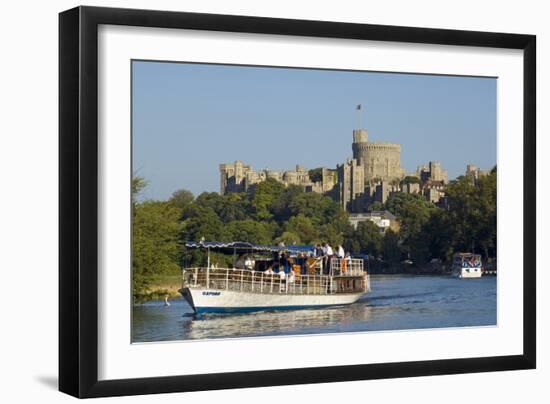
x=381, y=161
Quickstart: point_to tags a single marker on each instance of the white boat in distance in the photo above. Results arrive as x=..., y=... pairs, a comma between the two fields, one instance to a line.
x=256, y=287
x=467, y=265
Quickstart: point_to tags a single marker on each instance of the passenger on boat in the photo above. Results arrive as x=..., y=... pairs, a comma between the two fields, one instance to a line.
x=285, y=263
x=276, y=258
x=249, y=263
x=291, y=277
x=320, y=254
x=347, y=260
x=329, y=254
x=340, y=254
x=282, y=277
x=324, y=262
x=302, y=261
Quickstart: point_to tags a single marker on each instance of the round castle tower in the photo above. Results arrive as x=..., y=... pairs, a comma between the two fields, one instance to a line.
x=380, y=160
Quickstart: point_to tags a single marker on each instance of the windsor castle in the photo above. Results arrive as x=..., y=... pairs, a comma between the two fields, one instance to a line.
x=370, y=176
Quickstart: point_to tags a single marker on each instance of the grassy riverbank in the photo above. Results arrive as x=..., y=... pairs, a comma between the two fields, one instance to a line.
x=161, y=286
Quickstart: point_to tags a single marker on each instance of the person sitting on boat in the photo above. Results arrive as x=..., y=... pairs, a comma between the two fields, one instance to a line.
x=249, y=263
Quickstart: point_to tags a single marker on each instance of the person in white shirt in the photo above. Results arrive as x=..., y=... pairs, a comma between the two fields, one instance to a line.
x=329, y=255
x=282, y=277
x=340, y=254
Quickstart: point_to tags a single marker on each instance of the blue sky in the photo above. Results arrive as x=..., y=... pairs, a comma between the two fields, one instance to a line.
x=188, y=118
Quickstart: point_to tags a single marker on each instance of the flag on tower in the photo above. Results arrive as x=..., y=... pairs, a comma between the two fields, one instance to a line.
x=358, y=107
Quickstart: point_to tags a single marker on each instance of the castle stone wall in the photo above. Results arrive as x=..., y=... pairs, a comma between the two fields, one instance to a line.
x=381, y=161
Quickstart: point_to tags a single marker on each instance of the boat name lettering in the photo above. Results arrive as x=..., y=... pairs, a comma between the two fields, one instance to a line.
x=209, y=293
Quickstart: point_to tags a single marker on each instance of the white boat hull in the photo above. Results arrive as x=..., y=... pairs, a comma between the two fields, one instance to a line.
x=468, y=273
x=227, y=301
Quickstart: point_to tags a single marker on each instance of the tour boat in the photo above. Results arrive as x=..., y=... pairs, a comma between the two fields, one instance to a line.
x=466, y=265
x=252, y=285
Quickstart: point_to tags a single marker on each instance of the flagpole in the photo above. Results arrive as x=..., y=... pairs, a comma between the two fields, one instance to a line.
x=359, y=109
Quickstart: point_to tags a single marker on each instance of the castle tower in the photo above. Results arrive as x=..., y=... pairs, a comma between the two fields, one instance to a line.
x=351, y=183
x=381, y=161
x=360, y=139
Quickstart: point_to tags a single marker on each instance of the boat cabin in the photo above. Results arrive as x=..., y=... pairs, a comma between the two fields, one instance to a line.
x=466, y=260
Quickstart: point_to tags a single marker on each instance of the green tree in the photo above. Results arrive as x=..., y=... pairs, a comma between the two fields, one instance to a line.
x=412, y=210
x=235, y=206
x=155, y=246
x=211, y=200
x=248, y=230
x=182, y=198
x=303, y=227
x=391, y=251
x=138, y=185
x=473, y=212
x=365, y=239
x=263, y=196
x=410, y=179
x=332, y=234
x=288, y=238
x=201, y=222
x=317, y=207
x=281, y=205
x=376, y=207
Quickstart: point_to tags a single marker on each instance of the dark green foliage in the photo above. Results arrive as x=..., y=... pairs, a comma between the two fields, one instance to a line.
x=365, y=239
x=391, y=251
x=316, y=174
x=248, y=230
x=155, y=242
x=473, y=211
x=467, y=223
x=409, y=179
x=182, y=198
x=413, y=211
x=263, y=196
x=202, y=222
x=304, y=228
x=375, y=207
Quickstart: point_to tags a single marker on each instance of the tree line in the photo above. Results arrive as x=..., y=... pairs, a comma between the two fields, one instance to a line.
x=271, y=213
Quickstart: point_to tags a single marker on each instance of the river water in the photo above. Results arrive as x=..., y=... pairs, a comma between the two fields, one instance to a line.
x=396, y=302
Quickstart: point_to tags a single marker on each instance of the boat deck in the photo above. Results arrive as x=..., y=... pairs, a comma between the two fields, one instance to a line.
x=347, y=280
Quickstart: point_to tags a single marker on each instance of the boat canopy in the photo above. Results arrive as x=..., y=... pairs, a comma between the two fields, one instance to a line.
x=242, y=247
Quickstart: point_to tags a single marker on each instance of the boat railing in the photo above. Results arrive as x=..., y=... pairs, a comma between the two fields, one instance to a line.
x=347, y=267
x=243, y=280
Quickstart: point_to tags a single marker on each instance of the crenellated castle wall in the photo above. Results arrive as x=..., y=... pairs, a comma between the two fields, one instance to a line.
x=381, y=161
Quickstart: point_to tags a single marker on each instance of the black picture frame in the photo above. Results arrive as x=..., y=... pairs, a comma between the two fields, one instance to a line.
x=78, y=200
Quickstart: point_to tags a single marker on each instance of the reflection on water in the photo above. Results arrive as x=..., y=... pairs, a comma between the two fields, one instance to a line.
x=396, y=302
